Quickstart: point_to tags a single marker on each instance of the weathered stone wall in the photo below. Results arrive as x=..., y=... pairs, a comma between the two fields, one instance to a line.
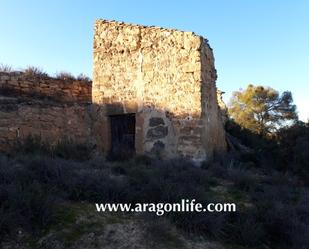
x=222, y=106
x=213, y=134
x=49, y=120
x=64, y=90
x=167, y=78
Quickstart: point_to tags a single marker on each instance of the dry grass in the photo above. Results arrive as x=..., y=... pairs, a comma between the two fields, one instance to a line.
x=65, y=76
x=35, y=71
x=5, y=68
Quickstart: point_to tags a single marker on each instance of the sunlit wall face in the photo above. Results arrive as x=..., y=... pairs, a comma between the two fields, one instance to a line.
x=167, y=78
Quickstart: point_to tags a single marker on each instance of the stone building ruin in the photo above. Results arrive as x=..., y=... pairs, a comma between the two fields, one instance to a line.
x=153, y=92
x=162, y=78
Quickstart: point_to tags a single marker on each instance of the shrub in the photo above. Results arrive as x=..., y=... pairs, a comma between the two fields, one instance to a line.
x=119, y=169
x=69, y=150
x=32, y=144
x=65, y=76
x=25, y=201
x=5, y=68
x=205, y=224
x=96, y=186
x=83, y=77
x=159, y=231
x=65, y=148
x=143, y=159
x=244, y=228
x=120, y=154
x=243, y=179
x=277, y=217
x=35, y=71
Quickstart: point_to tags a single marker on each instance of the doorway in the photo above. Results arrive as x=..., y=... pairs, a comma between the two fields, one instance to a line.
x=122, y=136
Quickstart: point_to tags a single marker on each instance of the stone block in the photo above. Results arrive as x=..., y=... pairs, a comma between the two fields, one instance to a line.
x=156, y=121
x=157, y=132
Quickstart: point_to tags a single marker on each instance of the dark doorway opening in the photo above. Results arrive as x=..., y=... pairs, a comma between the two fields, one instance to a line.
x=122, y=136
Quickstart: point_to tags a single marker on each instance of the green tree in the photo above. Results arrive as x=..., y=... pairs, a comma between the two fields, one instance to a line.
x=261, y=109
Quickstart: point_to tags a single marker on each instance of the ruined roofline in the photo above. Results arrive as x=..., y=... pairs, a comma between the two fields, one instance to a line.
x=120, y=23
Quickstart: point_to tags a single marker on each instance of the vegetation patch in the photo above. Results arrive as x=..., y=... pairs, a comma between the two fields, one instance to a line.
x=43, y=191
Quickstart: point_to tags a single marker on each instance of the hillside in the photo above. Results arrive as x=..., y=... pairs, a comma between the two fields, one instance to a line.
x=48, y=202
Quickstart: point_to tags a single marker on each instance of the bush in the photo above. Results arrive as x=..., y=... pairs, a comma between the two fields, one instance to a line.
x=32, y=144
x=26, y=203
x=5, y=68
x=286, y=151
x=65, y=148
x=83, y=77
x=96, y=186
x=160, y=232
x=243, y=179
x=276, y=214
x=35, y=71
x=244, y=228
x=157, y=182
x=294, y=147
x=65, y=76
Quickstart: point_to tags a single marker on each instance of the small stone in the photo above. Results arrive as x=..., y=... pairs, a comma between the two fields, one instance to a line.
x=156, y=121
x=157, y=132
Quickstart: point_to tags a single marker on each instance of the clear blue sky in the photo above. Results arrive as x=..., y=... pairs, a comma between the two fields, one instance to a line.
x=261, y=42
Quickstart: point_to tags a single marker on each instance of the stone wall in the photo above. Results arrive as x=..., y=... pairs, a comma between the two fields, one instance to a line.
x=63, y=90
x=213, y=133
x=53, y=109
x=50, y=121
x=167, y=78
x=222, y=106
